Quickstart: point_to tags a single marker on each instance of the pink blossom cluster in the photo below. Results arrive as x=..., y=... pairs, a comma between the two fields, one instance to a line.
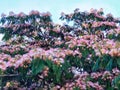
x=40, y=38
x=21, y=14
x=86, y=40
x=98, y=24
x=105, y=46
x=98, y=14
x=57, y=55
x=114, y=31
x=11, y=49
x=82, y=80
x=16, y=26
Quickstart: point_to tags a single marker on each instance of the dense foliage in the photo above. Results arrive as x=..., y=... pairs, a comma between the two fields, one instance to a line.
x=38, y=53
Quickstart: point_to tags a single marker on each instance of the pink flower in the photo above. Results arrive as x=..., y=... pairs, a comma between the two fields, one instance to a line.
x=34, y=12
x=62, y=14
x=109, y=15
x=91, y=84
x=3, y=15
x=11, y=13
x=100, y=10
x=95, y=75
x=46, y=14
x=93, y=10
x=104, y=51
x=116, y=71
x=21, y=14
x=114, y=52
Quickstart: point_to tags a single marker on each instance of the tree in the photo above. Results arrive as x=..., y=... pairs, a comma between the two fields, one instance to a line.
x=41, y=54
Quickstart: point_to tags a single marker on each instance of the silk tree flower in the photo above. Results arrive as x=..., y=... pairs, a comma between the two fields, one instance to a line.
x=100, y=10
x=75, y=72
x=117, y=30
x=97, y=52
x=34, y=12
x=107, y=75
x=57, y=29
x=21, y=14
x=76, y=52
x=18, y=63
x=104, y=51
x=114, y=52
x=98, y=24
x=114, y=31
x=3, y=15
x=11, y=13
x=68, y=52
x=96, y=75
x=3, y=65
x=46, y=14
x=100, y=16
x=9, y=64
x=116, y=71
x=58, y=42
x=85, y=25
x=22, y=60
x=68, y=38
x=82, y=83
x=95, y=85
x=58, y=61
x=72, y=43
x=106, y=47
x=62, y=14
x=109, y=15
x=93, y=10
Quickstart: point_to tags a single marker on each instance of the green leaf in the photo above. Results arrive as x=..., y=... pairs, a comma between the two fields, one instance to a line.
x=76, y=88
x=37, y=66
x=57, y=73
x=96, y=65
x=118, y=61
x=48, y=63
x=6, y=36
x=109, y=65
x=116, y=82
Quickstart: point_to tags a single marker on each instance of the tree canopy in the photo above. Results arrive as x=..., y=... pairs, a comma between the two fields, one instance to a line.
x=38, y=53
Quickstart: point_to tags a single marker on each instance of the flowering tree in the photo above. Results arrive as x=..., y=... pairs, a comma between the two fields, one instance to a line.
x=41, y=54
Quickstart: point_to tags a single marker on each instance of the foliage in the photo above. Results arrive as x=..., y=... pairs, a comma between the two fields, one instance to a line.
x=38, y=53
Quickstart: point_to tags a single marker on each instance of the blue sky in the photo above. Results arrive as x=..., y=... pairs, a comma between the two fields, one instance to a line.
x=58, y=6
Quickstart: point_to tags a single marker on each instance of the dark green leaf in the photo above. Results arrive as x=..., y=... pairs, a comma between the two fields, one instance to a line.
x=37, y=66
